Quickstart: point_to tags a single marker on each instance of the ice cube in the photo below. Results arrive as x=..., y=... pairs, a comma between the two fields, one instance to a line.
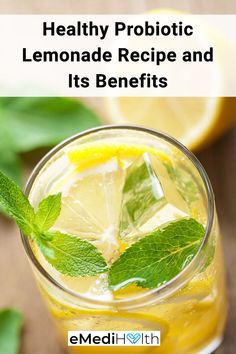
x=150, y=199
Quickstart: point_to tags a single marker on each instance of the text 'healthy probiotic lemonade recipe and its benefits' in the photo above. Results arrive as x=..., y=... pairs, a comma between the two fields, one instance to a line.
x=125, y=237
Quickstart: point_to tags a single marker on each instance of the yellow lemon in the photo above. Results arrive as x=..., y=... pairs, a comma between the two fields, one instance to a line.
x=194, y=121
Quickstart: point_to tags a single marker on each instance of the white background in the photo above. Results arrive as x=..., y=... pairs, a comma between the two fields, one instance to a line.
x=51, y=79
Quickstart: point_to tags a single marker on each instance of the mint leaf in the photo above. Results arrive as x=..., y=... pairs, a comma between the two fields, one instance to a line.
x=16, y=204
x=71, y=255
x=48, y=211
x=27, y=123
x=45, y=121
x=10, y=326
x=158, y=257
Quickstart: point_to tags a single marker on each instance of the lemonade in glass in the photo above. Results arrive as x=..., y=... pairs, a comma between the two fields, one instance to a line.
x=129, y=189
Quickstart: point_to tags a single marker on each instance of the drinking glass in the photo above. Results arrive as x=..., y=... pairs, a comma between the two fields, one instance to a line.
x=189, y=310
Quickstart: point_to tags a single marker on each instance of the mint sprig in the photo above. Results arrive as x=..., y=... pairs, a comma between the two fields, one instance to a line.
x=149, y=263
x=67, y=253
x=158, y=257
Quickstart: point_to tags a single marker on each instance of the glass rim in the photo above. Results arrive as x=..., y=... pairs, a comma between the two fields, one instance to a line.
x=153, y=295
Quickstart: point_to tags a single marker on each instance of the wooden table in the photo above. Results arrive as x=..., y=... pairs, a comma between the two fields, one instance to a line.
x=17, y=285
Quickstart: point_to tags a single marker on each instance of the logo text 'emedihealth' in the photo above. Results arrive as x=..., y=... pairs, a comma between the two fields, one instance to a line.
x=114, y=338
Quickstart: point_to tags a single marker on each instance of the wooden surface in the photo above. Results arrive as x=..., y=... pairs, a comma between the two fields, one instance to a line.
x=17, y=284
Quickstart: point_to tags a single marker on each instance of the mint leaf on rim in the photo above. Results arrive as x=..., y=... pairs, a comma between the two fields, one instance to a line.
x=16, y=204
x=67, y=253
x=158, y=257
x=48, y=211
x=10, y=326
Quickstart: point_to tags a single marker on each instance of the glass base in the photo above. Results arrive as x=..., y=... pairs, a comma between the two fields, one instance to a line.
x=212, y=346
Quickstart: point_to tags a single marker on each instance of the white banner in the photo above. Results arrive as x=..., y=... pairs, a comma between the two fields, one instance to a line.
x=118, y=55
x=114, y=338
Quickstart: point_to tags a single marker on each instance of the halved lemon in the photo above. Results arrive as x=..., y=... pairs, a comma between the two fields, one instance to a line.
x=194, y=121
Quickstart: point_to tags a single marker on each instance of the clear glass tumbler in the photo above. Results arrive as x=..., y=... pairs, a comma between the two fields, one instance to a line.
x=190, y=309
